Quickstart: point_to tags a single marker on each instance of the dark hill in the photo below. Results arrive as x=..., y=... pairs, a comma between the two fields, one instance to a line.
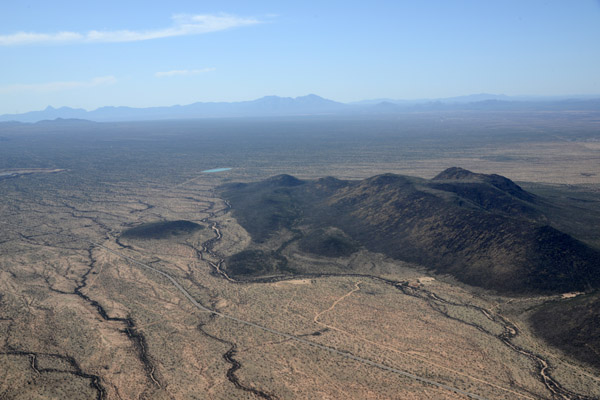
x=283, y=180
x=328, y=243
x=458, y=177
x=483, y=229
x=161, y=230
x=264, y=208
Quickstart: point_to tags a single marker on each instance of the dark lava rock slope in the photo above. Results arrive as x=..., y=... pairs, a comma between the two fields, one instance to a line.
x=485, y=230
x=572, y=325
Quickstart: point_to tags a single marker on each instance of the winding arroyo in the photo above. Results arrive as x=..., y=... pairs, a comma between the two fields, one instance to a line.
x=75, y=371
x=130, y=330
x=136, y=337
x=235, y=365
x=510, y=331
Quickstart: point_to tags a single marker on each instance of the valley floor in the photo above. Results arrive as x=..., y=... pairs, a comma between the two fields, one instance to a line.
x=87, y=314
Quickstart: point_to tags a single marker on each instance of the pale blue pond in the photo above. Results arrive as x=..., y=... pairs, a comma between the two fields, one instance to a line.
x=210, y=171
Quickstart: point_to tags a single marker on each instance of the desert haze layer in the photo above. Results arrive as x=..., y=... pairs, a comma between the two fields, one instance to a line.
x=116, y=251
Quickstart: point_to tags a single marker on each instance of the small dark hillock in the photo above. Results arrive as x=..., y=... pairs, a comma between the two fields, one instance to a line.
x=572, y=325
x=483, y=229
x=161, y=230
x=252, y=263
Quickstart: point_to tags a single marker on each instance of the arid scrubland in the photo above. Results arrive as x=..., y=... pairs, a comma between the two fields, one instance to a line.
x=84, y=312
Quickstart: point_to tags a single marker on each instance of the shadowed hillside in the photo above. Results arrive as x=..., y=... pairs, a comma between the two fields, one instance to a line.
x=572, y=325
x=483, y=229
x=328, y=243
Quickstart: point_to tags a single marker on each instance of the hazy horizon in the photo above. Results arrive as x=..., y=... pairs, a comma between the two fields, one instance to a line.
x=88, y=56
x=368, y=101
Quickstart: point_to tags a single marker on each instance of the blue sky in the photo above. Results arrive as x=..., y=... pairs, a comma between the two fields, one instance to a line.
x=148, y=53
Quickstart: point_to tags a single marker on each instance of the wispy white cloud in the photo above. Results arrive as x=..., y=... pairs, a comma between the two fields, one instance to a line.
x=183, y=25
x=183, y=72
x=30, y=37
x=58, y=86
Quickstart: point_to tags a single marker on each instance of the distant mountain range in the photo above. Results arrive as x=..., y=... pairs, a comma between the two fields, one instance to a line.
x=311, y=104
